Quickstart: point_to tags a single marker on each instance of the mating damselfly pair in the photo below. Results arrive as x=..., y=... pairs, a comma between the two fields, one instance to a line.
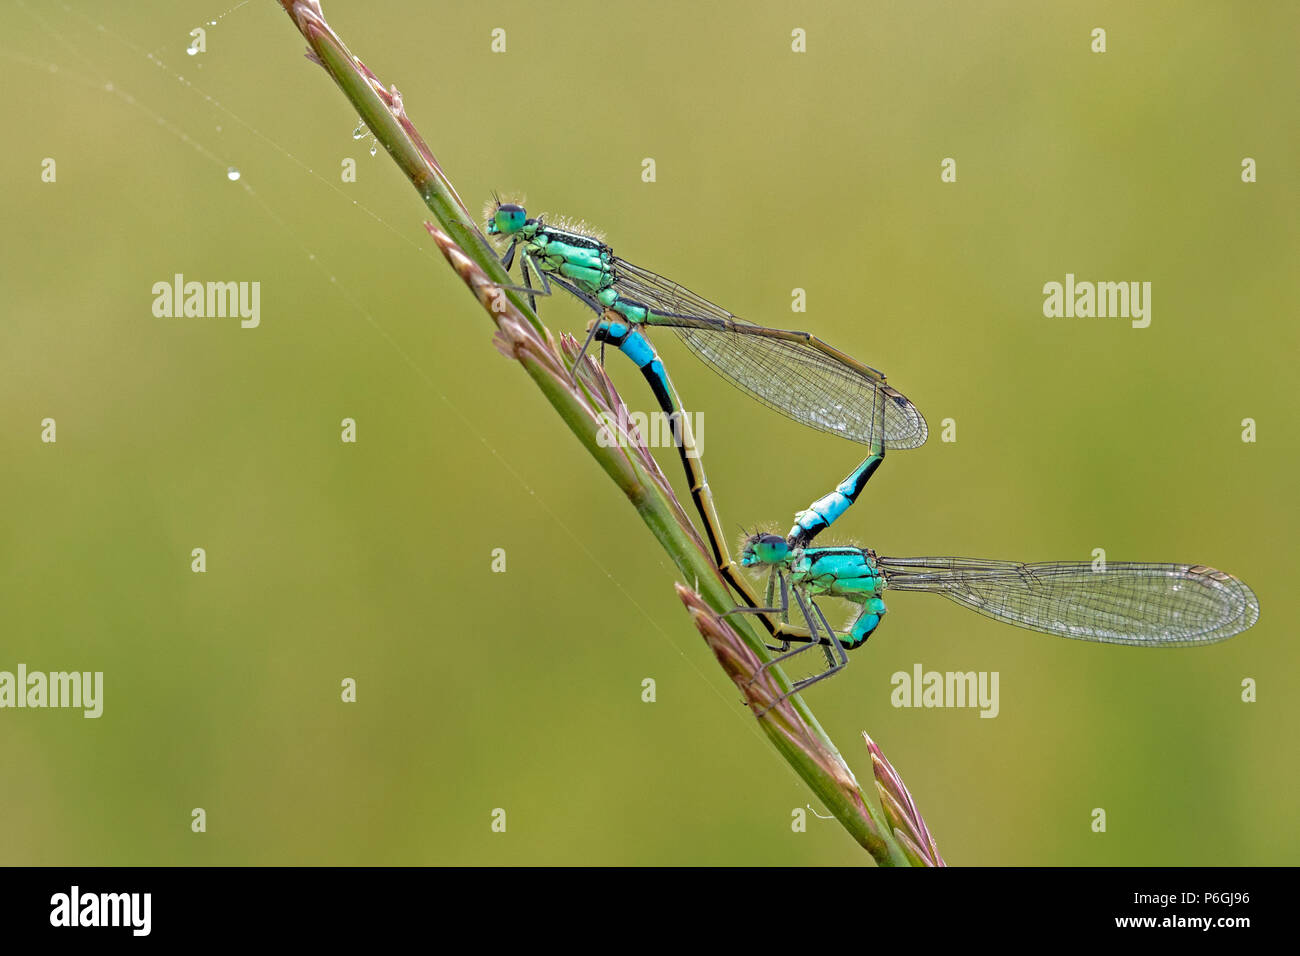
x=794, y=372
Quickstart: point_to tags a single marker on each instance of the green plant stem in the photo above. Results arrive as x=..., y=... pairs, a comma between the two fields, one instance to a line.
x=521, y=335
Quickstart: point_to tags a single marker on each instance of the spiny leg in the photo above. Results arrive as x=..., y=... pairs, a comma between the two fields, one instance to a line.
x=868, y=619
x=527, y=288
x=815, y=640
x=841, y=655
x=526, y=262
x=772, y=580
x=586, y=344
x=528, y=283
x=783, y=609
x=592, y=304
x=837, y=657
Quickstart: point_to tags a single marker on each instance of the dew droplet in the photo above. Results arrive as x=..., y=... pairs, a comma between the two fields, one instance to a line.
x=374, y=147
x=361, y=130
x=232, y=174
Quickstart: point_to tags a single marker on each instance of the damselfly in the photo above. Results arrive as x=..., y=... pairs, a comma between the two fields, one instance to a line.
x=795, y=373
x=1144, y=605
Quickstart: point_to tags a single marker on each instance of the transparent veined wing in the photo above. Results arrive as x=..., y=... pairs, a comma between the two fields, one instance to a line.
x=1150, y=605
x=794, y=373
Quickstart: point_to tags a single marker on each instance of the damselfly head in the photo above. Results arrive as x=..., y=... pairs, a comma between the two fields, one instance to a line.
x=763, y=549
x=504, y=218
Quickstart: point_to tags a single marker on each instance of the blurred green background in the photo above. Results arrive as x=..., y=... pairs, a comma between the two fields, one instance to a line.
x=521, y=690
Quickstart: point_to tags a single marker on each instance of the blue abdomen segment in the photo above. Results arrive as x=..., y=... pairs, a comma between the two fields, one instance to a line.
x=873, y=609
x=819, y=515
x=627, y=338
x=823, y=512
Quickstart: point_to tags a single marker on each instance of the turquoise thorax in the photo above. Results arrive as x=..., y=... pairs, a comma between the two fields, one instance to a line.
x=583, y=260
x=849, y=573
